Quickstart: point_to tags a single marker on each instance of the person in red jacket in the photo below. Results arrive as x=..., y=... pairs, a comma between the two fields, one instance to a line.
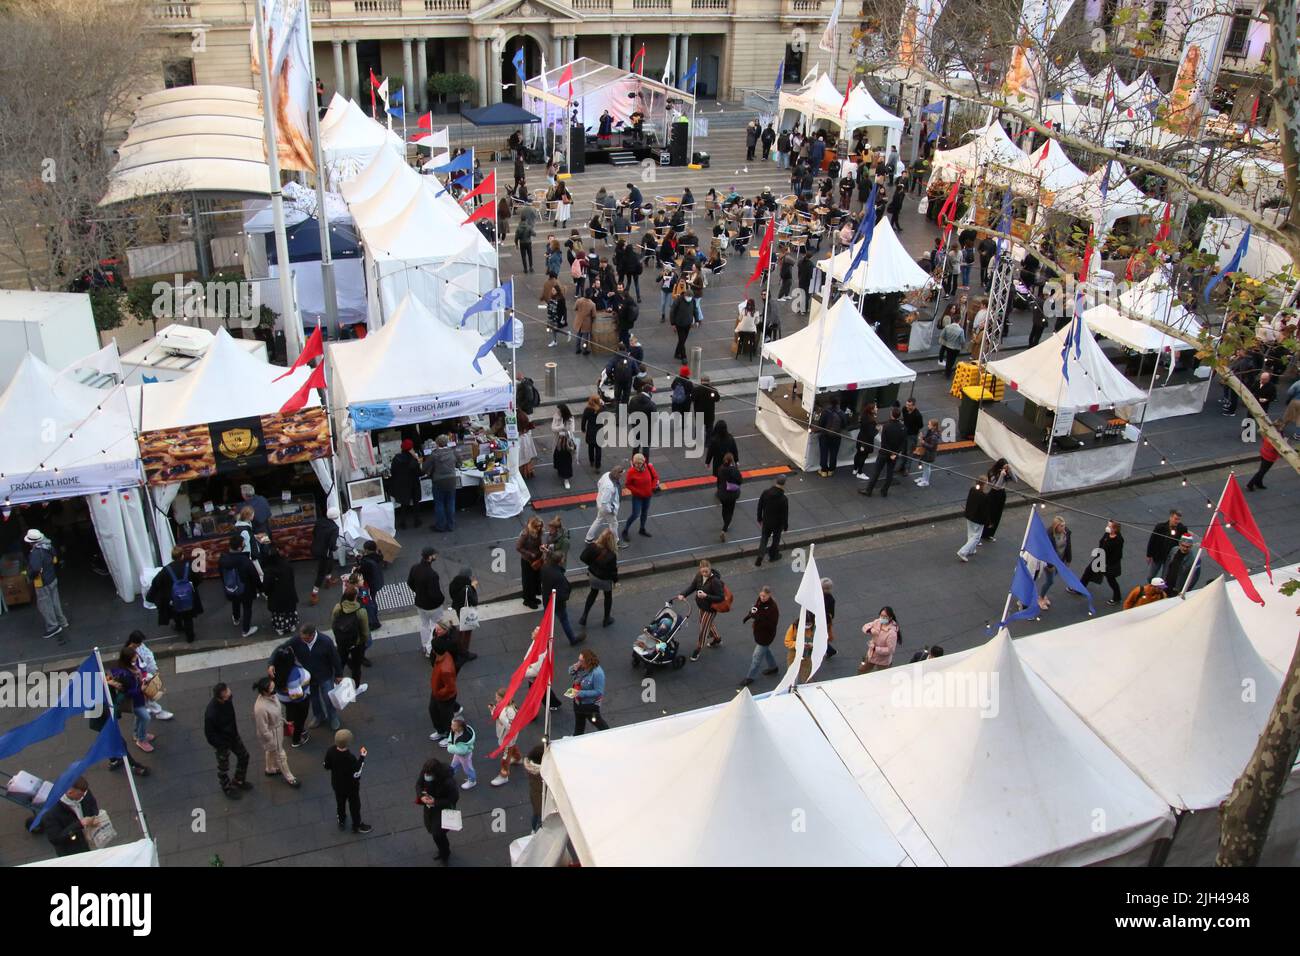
x=1267, y=455
x=640, y=481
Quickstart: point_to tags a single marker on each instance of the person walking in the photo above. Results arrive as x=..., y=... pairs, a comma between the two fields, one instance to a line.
x=269, y=721
x=563, y=426
x=555, y=581
x=509, y=754
x=893, y=444
x=240, y=582
x=460, y=745
x=174, y=591
x=791, y=644
x=1267, y=455
x=324, y=548
x=728, y=482
x=463, y=592
x=721, y=444
x=43, y=572
x=768, y=138
x=830, y=427
x=351, y=628
x=281, y=591
x=345, y=769
x=995, y=481
x=127, y=682
x=1164, y=538
x=913, y=425
x=371, y=570
x=292, y=690
x=763, y=617
x=1060, y=536
x=865, y=441
x=883, y=635
x=601, y=558
x=608, y=498
x=1108, y=562
x=222, y=734
x=805, y=273
x=441, y=470
x=529, y=548
x=426, y=587
x=752, y=134
x=1177, y=571
x=927, y=450
x=1145, y=594
x=404, y=484
x=320, y=656
x=588, y=692
x=704, y=402
x=773, y=520
x=952, y=339
x=896, y=205
x=641, y=481
x=710, y=595
x=976, y=513
x=590, y=425
x=524, y=243
x=150, y=680
x=682, y=318
x=435, y=792
x=442, y=686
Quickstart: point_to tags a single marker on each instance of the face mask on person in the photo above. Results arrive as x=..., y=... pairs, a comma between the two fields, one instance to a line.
x=428, y=778
x=883, y=620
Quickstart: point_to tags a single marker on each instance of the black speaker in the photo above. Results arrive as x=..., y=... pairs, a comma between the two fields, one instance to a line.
x=678, y=142
x=577, y=149
x=700, y=159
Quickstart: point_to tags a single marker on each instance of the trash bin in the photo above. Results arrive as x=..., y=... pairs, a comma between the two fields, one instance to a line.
x=969, y=411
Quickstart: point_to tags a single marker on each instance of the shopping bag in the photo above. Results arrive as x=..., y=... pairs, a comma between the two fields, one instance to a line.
x=469, y=619
x=343, y=693
x=154, y=688
x=451, y=820
x=102, y=833
x=923, y=206
x=288, y=728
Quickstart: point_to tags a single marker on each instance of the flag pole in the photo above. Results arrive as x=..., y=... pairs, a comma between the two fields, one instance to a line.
x=293, y=334
x=1196, y=561
x=107, y=705
x=326, y=253
x=1024, y=540
x=546, y=704
x=767, y=295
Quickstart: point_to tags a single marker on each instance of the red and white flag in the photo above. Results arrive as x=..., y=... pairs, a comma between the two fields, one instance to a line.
x=638, y=61
x=488, y=185
x=567, y=77
x=949, y=209
x=541, y=683
x=311, y=350
x=541, y=640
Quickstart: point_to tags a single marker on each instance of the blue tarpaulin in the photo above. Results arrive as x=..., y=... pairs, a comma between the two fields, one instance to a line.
x=304, y=242
x=500, y=114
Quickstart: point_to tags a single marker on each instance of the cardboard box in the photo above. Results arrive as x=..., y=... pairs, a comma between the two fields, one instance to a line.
x=388, y=546
x=17, y=589
x=492, y=488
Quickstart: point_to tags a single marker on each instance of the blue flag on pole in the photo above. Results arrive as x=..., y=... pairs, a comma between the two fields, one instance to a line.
x=502, y=297
x=518, y=61
x=1022, y=589
x=780, y=75
x=107, y=745
x=464, y=182
x=1038, y=544
x=83, y=692
x=502, y=336
x=688, y=81
x=932, y=109
x=865, y=231
x=934, y=133
x=1233, y=264
x=464, y=163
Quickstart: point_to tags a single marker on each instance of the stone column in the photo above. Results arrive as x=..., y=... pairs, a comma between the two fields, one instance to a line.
x=627, y=52
x=672, y=58
x=354, y=71
x=570, y=44
x=557, y=52
x=481, y=62
x=409, y=94
x=422, y=74
x=340, y=78
x=614, y=50
x=494, y=74
x=684, y=63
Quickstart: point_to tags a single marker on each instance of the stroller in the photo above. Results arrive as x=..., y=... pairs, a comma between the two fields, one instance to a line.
x=657, y=645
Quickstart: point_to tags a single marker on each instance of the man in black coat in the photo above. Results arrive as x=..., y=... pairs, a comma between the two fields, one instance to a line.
x=913, y=425
x=404, y=483
x=324, y=545
x=423, y=581
x=682, y=317
x=704, y=401
x=240, y=583
x=893, y=442
x=170, y=581
x=318, y=655
x=64, y=823
x=976, y=514
x=1107, y=564
x=805, y=279
x=987, y=247
x=773, y=519
x=1164, y=538
x=221, y=732
x=554, y=579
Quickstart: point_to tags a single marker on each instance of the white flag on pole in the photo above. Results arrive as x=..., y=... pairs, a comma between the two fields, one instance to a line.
x=812, y=601
x=811, y=75
x=828, y=36
x=543, y=76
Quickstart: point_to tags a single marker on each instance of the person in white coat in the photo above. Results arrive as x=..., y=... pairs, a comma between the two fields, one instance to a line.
x=608, y=495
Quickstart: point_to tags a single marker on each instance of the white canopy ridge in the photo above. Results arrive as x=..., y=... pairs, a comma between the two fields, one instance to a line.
x=1093, y=382
x=838, y=351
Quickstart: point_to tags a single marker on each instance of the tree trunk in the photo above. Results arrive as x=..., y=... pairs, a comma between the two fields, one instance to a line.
x=1247, y=813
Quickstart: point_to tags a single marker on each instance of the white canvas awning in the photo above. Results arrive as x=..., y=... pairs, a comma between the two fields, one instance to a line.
x=889, y=266
x=142, y=852
x=1153, y=298
x=1057, y=171
x=838, y=351
x=1084, y=199
x=729, y=777
x=351, y=140
x=1093, y=382
x=989, y=147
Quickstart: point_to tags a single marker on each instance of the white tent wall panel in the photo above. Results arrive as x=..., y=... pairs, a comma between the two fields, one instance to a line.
x=119, y=521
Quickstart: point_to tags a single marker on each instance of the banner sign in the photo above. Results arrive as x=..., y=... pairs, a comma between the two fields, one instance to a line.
x=200, y=451
x=1039, y=20
x=919, y=17
x=293, y=87
x=1206, y=26
x=70, y=482
x=476, y=401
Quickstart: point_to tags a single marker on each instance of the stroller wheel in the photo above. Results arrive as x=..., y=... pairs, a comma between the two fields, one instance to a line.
x=679, y=662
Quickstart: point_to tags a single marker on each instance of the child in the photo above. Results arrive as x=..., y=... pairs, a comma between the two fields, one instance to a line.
x=504, y=720
x=371, y=569
x=460, y=744
x=345, y=777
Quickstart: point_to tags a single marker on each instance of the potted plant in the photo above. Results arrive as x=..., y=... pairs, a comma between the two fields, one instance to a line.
x=448, y=89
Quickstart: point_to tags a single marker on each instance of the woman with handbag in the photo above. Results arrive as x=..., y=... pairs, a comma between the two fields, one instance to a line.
x=292, y=690
x=529, y=546
x=562, y=427
x=268, y=720
x=153, y=683
x=463, y=591
x=728, y=484
x=436, y=792
x=588, y=692
x=641, y=481
x=281, y=592
x=601, y=559
x=126, y=679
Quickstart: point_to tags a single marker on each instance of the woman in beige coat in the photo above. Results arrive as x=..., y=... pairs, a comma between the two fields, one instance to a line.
x=268, y=719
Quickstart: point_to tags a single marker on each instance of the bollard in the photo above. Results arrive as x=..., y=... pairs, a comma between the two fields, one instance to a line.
x=551, y=388
x=697, y=360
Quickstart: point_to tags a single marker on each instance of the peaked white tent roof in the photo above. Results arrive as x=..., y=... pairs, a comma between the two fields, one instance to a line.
x=1055, y=168
x=1154, y=298
x=227, y=383
x=1272, y=628
x=863, y=110
x=974, y=761
x=1084, y=200
x=1076, y=77
x=387, y=375
x=889, y=267
x=1093, y=383
x=351, y=138
x=990, y=146
x=39, y=409
x=838, y=351
x=725, y=781
x=1165, y=691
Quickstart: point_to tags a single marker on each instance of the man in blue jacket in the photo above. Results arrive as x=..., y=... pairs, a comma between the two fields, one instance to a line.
x=317, y=653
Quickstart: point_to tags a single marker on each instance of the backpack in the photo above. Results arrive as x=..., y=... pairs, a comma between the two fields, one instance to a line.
x=182, y=590
x=233, y=582
x=346, y=629
x=679, y=393
x=579, y=268
x=723, y=606
x=534, y=396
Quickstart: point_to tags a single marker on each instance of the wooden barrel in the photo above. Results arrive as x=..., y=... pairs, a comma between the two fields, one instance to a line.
x=604, y=332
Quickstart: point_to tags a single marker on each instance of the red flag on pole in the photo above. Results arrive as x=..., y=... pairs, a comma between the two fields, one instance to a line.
x=532, y=705
x=374, y=85
x=425, y=122
x=764, y=251
x=1254, y=112
x=313, y=349
x=541, y=639
x=488, y=185
x=1237, y=514
x=847, y=93
x=1219, y=546
x=1047, y=148
x=949, y=207
x=567, y=77
x=485, y=210
x=299, y=398
x=1087, y=258
x=638, y=61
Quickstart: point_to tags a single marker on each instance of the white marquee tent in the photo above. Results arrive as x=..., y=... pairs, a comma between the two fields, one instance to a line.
x=990, y=148
x=68, y=440
x=889, y=267
x=821, y=104
x=974, y=761
x=1263, y=259
x=1093, y=383
x=1057, y=171
x=729, y=778
x=349, y=139
x=1084, y=199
